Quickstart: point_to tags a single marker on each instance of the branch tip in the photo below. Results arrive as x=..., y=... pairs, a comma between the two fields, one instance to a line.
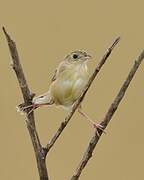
x=5, y=32
x=115, y=42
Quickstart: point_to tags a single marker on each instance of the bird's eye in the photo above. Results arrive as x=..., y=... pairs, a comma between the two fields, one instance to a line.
x=41, y=96
x=75, y=56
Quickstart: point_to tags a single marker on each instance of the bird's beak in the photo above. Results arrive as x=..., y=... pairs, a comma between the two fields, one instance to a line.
x=88, y=57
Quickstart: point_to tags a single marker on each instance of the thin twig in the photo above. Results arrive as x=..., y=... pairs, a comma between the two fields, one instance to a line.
x=67, y=119
x=27, y=96
x=94, y=140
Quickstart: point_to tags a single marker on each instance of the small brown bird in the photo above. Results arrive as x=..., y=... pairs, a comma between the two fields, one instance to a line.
x=67, y=84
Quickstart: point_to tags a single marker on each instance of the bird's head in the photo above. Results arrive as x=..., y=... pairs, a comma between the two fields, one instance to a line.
x=78, y=57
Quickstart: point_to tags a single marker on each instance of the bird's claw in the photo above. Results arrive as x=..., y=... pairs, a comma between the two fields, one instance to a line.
x=99, y=127
x=22, y=108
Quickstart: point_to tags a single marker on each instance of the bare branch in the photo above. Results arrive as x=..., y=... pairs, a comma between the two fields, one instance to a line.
x=27, y=96
x=94, y=140
x=67, y=119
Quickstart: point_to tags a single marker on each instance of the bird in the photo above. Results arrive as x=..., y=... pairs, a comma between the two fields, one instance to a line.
x=69, y=79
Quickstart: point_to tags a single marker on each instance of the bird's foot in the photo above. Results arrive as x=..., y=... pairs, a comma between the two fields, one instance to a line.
x=98, y=128
x=22, y=108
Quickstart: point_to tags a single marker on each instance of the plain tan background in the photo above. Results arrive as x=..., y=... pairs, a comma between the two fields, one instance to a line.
x=45, y=31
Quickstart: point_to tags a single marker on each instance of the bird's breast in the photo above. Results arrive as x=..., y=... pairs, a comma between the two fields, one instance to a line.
x=69, y=85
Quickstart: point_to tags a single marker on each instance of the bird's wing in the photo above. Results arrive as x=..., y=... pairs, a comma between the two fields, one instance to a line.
x=60, y=69
x=54, y=76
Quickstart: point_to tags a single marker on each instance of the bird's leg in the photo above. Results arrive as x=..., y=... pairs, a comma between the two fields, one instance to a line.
x=35, y=106
x=97, y=126
x=23, y=108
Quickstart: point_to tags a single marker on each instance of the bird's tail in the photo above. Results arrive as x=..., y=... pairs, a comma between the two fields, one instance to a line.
x=44, y=99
